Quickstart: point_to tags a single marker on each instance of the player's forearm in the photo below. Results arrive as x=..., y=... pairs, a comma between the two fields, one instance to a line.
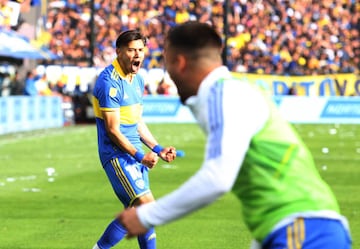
x=112, y=123
x=121, y=141
x=165, y=153
x=179, y=203
x=146, y=136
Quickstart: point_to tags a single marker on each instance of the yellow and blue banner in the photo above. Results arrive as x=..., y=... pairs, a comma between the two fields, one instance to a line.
x=310, y=85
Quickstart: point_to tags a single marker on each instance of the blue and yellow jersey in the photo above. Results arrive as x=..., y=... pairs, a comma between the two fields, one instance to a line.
x=112, y=92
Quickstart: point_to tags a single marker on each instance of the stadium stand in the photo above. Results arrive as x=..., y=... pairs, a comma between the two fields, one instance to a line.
x=272, y=37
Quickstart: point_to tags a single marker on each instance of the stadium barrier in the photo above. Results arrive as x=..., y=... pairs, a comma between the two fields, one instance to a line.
x=296, y=109
x=166, y=109
x=316, y=110
x=25, y=113
x=20, y=113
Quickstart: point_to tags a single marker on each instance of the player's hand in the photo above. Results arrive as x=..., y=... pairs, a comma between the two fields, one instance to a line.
x=168, y=154
x=150, y=160
x=129, y=219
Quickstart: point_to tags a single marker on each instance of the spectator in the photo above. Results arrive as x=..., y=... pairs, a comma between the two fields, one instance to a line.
x=16, y=85
x=5, y=87
x=42, y=86
x=5, y=14
x=30, y=83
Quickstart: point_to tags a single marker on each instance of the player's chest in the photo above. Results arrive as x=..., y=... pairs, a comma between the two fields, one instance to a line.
x=130, y=94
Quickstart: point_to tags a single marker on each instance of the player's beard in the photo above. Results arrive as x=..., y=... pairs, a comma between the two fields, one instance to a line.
x=182, y=91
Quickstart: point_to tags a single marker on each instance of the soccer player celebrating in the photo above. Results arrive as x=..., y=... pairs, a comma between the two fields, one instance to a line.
x=250, y=150
x=117, y=104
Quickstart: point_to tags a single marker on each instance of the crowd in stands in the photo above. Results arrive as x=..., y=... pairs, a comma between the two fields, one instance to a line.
x=291, y=37
x=34, y=83
x=276, y=37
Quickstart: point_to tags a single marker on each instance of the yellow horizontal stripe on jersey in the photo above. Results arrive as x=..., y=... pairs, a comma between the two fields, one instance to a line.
x=130, y=114
x=96, y=107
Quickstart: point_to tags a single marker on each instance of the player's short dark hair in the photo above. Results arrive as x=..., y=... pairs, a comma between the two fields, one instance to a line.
x=127, y=36
x=193, y=35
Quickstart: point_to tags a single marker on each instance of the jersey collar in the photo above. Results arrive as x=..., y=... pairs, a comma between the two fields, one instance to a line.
x=118, y=69
x=208, y=81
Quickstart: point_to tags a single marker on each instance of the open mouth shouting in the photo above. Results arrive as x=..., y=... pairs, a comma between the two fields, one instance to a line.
x=135, y=66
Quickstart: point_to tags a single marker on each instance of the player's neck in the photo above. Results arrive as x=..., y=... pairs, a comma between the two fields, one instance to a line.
x=129, y=77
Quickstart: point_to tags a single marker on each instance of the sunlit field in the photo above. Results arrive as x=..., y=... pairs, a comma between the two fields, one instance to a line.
x=55, y=195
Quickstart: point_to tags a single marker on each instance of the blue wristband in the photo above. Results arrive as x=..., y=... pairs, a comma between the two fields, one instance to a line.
x=139, y=156
x=157, y=149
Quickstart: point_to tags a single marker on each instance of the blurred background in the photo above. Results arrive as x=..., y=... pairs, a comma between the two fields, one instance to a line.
x=56, y=49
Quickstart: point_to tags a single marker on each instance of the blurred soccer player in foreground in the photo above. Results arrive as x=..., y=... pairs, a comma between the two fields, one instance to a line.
x=251, y=150
x=118, y=106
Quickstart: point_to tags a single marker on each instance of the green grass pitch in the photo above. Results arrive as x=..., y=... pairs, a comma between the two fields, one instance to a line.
x=55, y=195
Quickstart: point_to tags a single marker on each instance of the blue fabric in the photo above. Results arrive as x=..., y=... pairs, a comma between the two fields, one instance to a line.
x=35, y=2
x=148, y=240
x=128, y=178
x=112, y=235
x=310, y=233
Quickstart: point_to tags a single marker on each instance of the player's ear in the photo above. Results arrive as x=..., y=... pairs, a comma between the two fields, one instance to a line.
x=182, y=61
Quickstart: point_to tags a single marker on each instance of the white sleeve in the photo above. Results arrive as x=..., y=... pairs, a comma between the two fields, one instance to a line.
x=244, y=112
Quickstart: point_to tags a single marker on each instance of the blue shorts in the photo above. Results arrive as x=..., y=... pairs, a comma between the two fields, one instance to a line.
x=128, y=178
x=310, y=233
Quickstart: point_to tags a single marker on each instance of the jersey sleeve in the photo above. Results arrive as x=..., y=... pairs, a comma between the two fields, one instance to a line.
x=107, y=92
